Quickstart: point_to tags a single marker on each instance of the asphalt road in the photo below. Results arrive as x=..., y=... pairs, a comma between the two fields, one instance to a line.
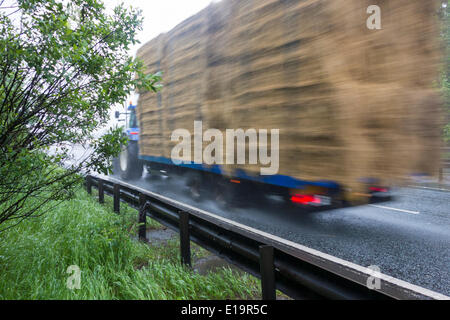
x=407, y=238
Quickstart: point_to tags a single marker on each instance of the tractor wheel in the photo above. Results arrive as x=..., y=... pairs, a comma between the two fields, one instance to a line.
x=128, y=163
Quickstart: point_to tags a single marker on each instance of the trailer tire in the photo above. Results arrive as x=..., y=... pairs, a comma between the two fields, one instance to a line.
x=222, y=197
x=152, y=173
x=227, y=196
x=194, y=184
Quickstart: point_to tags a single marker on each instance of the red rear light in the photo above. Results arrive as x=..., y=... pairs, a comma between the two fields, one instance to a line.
x=377, y=189
x=305, y=199
x=134, y=133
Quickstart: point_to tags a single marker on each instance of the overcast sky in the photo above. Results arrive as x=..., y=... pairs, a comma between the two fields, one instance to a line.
x=161, y=15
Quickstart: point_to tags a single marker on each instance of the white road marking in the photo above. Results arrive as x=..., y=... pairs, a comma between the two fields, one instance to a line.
x=395, y=209
x=429, y=188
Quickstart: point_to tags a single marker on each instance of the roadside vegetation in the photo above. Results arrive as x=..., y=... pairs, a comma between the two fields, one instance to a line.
x=64, y=65
x=35, y=255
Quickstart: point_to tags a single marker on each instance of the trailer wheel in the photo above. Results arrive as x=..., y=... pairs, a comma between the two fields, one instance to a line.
x=226, y=195
x=221, y=196
x=130, y=167
x=194, y=185
x=152, y=173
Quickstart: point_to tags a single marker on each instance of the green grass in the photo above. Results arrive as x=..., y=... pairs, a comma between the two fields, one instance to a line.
x=128, y=211
x=35, y=255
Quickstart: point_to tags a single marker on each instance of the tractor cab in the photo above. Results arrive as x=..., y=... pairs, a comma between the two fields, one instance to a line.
x=131, y=128
x=128, y=165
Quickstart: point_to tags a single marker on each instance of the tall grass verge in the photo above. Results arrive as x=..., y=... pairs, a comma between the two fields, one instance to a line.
x=35, y=255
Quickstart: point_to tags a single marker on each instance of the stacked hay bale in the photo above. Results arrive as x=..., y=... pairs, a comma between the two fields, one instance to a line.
x=383, y=83
x=180, y=55
x=150, y=111
x=350, y=102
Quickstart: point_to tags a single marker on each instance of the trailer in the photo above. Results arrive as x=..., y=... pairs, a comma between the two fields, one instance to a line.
x=354, y=107
x=239, y=188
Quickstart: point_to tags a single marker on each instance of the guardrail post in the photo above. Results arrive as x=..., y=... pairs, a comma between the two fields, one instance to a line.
x=185, y=241
x=267, y=269
x=117, y=198
x=101, y=192
x=89, y=184
x=441, y=173
x=142, y=217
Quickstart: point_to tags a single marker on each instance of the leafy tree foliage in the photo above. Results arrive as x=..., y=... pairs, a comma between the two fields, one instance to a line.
x=63, y=65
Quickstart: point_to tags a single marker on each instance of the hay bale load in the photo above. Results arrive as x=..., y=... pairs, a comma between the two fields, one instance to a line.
x=350, y=102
